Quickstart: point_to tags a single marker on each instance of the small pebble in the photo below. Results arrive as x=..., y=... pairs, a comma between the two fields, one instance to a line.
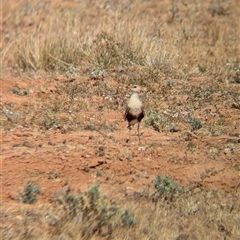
x=51, y=143
x=17, y=145
x=28, y=144
x=86, y=169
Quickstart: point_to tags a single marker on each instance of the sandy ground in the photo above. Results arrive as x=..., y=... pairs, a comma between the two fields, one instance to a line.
x=53, y=159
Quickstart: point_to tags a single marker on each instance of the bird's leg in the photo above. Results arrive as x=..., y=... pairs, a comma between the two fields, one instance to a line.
x=138, y=135
x=129, y=132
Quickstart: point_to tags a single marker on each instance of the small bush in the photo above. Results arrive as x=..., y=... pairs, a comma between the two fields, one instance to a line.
x=92, y=210
x=155, y=120
x=127, y=219
x=29, y=194
x=195, y=124
x=49, y=119
x=165, y=188
x=19, y=92
x=72, y=71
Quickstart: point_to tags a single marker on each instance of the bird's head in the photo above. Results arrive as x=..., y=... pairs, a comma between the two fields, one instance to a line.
x=136, y=88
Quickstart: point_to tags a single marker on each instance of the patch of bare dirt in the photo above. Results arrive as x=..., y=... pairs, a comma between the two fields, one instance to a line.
x=53, y=159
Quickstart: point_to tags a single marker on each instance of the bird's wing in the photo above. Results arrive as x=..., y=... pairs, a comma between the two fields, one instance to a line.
x=143, y=111
x=126, y=113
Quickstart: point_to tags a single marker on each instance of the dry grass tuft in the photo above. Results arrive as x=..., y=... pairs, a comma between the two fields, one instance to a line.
x=196, y=213
x=178, y=40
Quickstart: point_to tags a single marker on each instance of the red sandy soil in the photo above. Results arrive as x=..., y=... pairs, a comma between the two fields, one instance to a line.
x=53, y=160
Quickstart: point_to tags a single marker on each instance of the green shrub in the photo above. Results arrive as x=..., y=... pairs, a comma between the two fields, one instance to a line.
x=29, y=194
x=195, y=123
x=155, y=120
x=19, y=92
x=97, y=216
x=165, y=188
x=127, y=219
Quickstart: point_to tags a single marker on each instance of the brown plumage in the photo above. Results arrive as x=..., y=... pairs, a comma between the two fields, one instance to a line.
x=134, y=111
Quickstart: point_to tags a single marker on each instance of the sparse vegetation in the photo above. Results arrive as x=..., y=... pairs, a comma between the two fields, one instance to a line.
x=19, y=92
x=195, y=123
x=165, y=188
x=49, y=119
x=155, y=120
x=100, y=151
x=124, y=41
x=30, y=192
x=92, y=213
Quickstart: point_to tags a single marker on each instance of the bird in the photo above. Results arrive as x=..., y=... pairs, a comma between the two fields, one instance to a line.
x=134, y=112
